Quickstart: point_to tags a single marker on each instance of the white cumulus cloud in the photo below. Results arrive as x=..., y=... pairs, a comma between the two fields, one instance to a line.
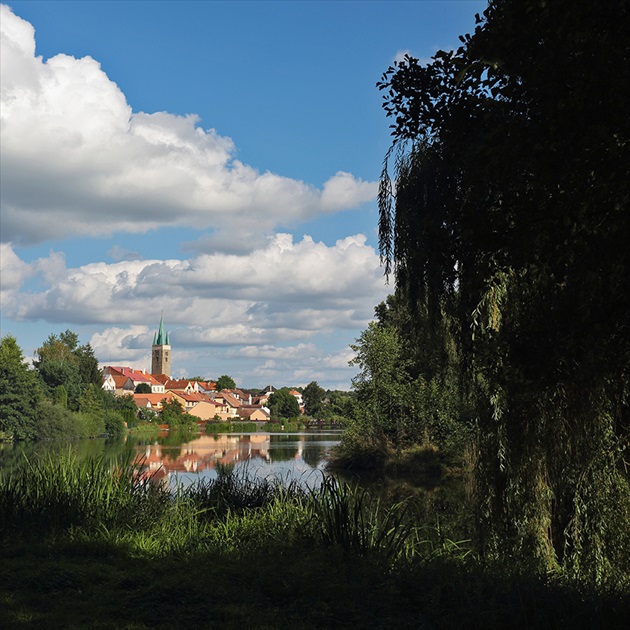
x=76, y=160
x=283, y=291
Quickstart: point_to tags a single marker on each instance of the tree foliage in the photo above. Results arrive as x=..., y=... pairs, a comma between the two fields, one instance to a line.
x=19, y=393
x=61, y=361
x=282, y=404
x=507, y=213
x=407, y=389
x=313, y=397
x=225, y=382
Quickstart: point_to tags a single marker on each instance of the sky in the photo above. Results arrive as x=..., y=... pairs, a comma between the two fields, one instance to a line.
x=216, y=163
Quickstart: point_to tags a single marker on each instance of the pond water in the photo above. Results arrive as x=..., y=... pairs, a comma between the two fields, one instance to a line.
x=177, y=459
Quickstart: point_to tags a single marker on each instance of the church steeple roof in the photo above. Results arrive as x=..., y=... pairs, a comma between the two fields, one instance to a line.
x=161, y=337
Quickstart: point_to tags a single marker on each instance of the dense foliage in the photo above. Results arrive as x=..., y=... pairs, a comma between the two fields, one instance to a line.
x=282, y=404
x=61, y=398
x=225, y=382
x=19, y=393
x=408, y=386
x=506, y=220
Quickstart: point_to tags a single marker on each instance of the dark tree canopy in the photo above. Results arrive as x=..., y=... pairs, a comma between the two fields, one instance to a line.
x=507, y=214
x=61, y=361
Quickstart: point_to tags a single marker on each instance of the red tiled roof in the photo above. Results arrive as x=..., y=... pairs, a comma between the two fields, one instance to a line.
x=230, y=400
x=120, y=381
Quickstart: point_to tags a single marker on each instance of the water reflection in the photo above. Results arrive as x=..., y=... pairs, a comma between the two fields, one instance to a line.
x=300, y=456
x=181, y=458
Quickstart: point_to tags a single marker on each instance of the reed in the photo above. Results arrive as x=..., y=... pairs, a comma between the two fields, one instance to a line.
x=349, y=516
x=54, y=491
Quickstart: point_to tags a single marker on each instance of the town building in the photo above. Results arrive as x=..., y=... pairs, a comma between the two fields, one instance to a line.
x=161, y=352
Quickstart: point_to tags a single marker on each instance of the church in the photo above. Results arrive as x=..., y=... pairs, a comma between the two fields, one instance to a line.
x=161, y=352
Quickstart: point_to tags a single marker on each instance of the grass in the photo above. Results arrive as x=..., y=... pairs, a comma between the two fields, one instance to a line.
x=93, y=544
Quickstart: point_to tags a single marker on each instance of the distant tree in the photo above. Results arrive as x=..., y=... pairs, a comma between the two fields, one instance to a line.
x=146, y=415
x=225, y=382
x=123, y=405
x=88, y=365
x=282, y=404
x=61, y=361
x=143, y=388
x=90, y=401
x=20, y=392
x=313, y=396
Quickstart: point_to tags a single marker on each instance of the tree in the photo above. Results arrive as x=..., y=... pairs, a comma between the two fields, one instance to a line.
x=143, y=388
x=174, y=414
x=225, y=382
x=20, y=393
x=510, y=217
x=61, y=361
x=282, y=404
x=313, y=397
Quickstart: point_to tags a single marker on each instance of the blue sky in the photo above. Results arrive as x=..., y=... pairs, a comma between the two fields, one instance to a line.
x=216, y=161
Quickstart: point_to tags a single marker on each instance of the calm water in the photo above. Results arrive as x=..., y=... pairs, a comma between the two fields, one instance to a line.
x=175, y=459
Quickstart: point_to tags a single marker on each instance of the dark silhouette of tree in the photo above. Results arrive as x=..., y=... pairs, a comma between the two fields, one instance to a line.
x=282, y=404
x=507, y=214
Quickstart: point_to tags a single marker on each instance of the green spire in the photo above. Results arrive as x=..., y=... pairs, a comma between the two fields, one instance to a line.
x=161, y=339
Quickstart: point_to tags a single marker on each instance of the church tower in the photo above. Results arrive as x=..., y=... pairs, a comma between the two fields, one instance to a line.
x=161, y=352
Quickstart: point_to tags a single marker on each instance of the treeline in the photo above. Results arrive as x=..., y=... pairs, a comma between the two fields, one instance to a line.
x=60, y=396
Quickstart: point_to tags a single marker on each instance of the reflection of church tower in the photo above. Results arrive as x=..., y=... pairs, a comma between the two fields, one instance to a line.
x=161, y=352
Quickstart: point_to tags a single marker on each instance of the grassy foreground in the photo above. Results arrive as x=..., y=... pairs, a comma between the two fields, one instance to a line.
x=92, y=544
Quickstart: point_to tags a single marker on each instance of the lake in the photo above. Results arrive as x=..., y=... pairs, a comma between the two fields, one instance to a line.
x=182, y=459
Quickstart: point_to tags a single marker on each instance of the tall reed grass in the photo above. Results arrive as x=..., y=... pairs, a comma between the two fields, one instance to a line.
x=53, y=491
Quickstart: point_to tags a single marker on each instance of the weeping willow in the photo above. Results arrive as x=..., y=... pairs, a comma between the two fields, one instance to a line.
x=504, y=207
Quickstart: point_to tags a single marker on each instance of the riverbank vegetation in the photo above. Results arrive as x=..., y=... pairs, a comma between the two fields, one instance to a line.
x=60, y=397
x=92, y=543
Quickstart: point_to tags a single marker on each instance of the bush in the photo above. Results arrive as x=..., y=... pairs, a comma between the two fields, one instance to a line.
x=54, y=422
x=114, y=424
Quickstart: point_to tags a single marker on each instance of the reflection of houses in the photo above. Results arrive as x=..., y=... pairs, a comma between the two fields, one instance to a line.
x=205, y=452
